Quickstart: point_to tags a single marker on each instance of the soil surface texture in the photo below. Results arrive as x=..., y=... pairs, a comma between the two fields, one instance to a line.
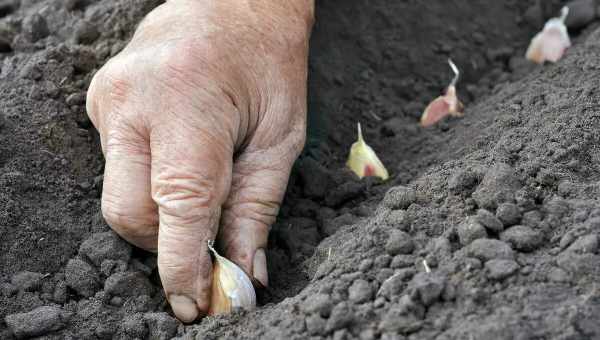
x=488, y=227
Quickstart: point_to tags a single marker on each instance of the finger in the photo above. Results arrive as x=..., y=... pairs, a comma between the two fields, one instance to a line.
x=127, y=204
x=258, y=185
x=191, y=174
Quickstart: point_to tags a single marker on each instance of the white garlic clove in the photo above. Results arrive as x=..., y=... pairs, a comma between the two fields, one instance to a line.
x=445, y=105
x=551, y=43
x=231, y=287
x=363, y=161
x=442, y=106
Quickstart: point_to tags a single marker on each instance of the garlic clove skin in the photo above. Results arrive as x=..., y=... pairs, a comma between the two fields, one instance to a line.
x=442, y=106
x=363, y=161
x=231, y=287
x=445, y=105
x=551, y=43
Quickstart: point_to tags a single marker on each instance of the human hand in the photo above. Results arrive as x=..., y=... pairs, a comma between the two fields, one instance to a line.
x=201, y=117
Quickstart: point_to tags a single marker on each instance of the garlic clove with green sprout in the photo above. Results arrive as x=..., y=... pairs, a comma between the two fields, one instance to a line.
x=363, y=161
x=231, y=287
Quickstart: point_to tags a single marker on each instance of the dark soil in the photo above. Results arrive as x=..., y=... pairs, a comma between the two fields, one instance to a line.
x=500, y=205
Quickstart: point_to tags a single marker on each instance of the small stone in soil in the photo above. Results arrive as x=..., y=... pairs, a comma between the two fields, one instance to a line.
x=133, y=326
x=367, y=334
x=360, y=291
x=531, y=218
x=402, y=261
x=429, y=287
x=556, y=206
x=365, y=265
x=558, y=275
x=489, y=220
x=82, y=277
x=85, y=33
x=77, y=98
x=27, y=281
x=341, y=316
x=470, y=230
x=116, y=301
x=406, y=317
x=128, y=284
x=8, y=289
x=161, y=325
x=522, y=238
x=566, y=239
x=317, y=303
x=498, y=185
x=315, y=325
x=382, y=261
x=442, y=249
x=488, y=249
x=104, y=331
x=585, y=244
x=579, y=264
x=399, y=242
x=141, y=303
x=463, y=181
x=399, y=197
x=37, y=322
x=85, y=60
x=35, y=27
x=60, y=292
x=509, y=214
x=107, y=245
x=398, y=219
x=500, y=269
x=391, y=287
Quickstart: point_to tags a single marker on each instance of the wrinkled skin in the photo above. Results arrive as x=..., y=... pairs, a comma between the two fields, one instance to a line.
x=201, y=117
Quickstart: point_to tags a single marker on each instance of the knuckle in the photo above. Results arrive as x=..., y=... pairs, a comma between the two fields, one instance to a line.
x=185, y=64
x=118, y=88
x=186, y=199
x=122, y=140
x=261, y=214
x=127, y=219
x=112, y=83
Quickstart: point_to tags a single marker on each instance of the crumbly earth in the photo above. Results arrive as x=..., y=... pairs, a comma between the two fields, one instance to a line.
x=487, y=229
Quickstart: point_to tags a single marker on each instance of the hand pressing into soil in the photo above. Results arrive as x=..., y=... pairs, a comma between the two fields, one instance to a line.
x=201, y=117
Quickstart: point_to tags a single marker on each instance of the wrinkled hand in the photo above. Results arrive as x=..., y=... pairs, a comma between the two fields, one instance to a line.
x=201, y=117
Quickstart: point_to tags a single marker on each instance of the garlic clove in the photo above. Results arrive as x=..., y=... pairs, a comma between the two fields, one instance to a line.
x=445, y=105
x=231, y=287
x=363, y=161
x=551, y=43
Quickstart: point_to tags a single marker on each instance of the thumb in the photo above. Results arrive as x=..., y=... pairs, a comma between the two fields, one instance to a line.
x=258, y=185
x=191, y=173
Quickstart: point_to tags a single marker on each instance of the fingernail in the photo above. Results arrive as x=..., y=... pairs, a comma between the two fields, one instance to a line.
x=259, y=267
x=184, y=308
